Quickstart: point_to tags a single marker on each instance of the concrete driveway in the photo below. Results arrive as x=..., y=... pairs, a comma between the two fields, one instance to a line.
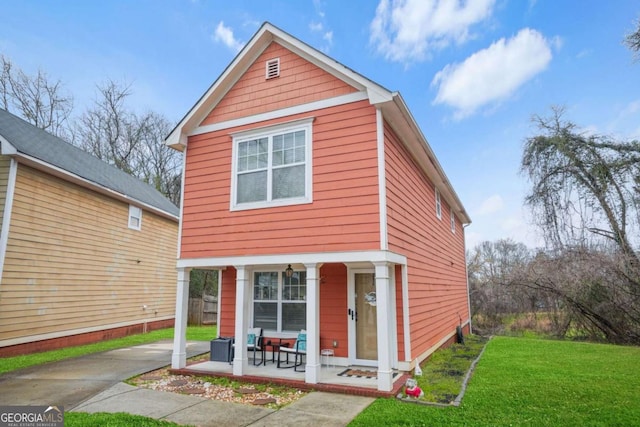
x=93, y=383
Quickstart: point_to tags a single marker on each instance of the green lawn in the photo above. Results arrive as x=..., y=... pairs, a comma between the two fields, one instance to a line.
x=531, y=382
x=194, y=333
x=119, y=419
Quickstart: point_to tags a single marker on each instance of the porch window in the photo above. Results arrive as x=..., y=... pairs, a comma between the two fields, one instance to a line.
x=272, y=166
x=280, y=302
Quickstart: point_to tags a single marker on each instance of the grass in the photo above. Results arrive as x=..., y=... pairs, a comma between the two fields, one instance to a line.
x=119, y=419
x=194, y=333
x=444, y=371
x=533, y=382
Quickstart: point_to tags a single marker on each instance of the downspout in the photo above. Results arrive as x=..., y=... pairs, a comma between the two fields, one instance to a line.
x=6, y=215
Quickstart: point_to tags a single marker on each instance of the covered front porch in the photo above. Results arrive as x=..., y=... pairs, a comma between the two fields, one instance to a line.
x=329, y=317
x=358, y=380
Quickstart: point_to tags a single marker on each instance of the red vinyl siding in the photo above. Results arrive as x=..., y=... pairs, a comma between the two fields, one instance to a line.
x=344, y=214
x=300, y=82
x=333, y=308
x=435, y=255
x=227, y=326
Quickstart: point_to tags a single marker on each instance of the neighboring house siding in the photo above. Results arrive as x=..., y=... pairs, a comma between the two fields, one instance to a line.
x=344, y=214
x=300, y=82
x=73, y=264
x=5, y=164
x=436, y=260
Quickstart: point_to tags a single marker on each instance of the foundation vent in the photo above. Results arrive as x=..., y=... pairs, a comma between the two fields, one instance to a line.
x=273, y=68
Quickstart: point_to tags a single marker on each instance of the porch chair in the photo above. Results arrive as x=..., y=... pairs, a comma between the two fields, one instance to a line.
x=299, y=350
x=255, y=344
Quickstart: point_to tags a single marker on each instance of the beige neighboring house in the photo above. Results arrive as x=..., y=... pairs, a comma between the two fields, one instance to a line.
x=87, y=252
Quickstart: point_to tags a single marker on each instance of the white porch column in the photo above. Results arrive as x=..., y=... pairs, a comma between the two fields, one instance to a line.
x=179, y=356
x=385, y=374
x=312, y=369
x=242, y=320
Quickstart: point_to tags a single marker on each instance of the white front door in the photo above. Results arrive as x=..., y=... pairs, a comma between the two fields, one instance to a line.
x=363, y=320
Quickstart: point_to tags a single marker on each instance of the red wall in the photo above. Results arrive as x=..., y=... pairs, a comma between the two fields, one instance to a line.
x=300, y=82
x=435, y=255
x=344, y=214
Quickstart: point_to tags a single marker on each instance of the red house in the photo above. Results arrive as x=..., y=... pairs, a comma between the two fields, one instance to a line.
x=294, y=160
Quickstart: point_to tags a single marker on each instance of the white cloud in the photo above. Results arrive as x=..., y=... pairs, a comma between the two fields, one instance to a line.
x=492, y=74
x=408, y=30
x=328, y=36
x=315, y=26
x=491, y=205
x=224, y=35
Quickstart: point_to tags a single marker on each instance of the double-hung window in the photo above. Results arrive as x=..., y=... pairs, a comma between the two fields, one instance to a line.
x=280, y=302
x=272, y=166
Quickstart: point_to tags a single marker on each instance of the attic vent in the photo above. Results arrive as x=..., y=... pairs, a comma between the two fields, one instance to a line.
x=273, y=68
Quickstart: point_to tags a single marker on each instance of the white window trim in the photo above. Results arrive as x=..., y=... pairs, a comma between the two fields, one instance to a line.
x=304, y=124
x=279, y=333
x=132, y=214
x=452, y=218
x=438, y=205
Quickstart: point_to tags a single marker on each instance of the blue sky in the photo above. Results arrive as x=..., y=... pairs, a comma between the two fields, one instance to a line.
x=473, y=73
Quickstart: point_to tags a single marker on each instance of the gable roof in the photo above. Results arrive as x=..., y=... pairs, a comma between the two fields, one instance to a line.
x=38, y=148
x=391, y=104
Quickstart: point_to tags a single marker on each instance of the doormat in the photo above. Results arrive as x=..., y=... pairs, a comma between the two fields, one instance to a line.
x=360, y=373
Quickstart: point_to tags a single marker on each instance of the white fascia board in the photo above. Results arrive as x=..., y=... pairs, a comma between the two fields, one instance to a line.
x=403, y=122
x=265, y=35
x=219, y=88
x=75, y=179
x=376, y=92
x=6, y=215
x=284, y=259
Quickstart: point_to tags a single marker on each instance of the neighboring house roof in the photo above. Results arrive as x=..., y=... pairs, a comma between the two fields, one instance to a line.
x=390, y=103
x=41, y=149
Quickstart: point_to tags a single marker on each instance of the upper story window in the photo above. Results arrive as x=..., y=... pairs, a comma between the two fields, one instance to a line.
x=135, y=217
x=272, y=166
x=452, y=218
x=438, y=205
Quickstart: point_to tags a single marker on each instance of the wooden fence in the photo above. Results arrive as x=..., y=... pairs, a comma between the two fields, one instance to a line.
x=203, y=311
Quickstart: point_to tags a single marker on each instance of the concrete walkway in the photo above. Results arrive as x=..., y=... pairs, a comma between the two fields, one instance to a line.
x=93, y=383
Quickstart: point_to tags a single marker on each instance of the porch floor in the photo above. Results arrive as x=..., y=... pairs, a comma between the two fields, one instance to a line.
x=329, y=378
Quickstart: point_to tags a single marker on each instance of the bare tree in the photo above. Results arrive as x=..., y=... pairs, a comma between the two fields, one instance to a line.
x=585, y=193
x=632, y=40
x=158, y=164
x=597, y=297
x=36, y=98
x=109, y=131
x=491, y=267
x=130, y=141
x=584, y=187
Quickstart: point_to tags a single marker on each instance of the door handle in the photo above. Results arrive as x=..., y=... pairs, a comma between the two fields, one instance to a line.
x=351, y=313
